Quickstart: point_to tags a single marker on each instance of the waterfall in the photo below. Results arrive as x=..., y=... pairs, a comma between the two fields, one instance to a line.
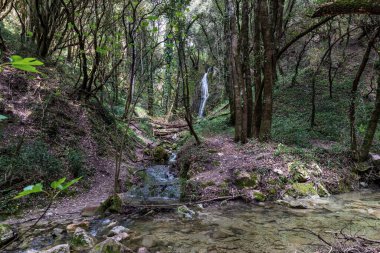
x=204, y=95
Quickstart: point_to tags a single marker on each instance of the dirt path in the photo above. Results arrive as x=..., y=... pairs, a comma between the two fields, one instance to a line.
x=102, y=181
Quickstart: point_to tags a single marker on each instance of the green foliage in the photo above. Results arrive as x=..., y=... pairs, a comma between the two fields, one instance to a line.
x=37, y=188
x=2, y=117
x=75, y=160
x=25, y=64
x=33, y=160
x=56, y=188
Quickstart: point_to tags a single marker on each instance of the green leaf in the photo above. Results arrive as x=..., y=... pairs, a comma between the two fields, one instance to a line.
x=64, y=187
x=16, y=58
x=29, y=190
x=25, y=64
x=58, y=183
x=152, y=18
x=2, y=117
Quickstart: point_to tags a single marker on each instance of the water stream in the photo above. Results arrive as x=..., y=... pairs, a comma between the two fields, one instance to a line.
x=239, y=227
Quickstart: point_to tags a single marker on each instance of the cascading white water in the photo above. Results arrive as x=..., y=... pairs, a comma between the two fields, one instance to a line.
x=204, y=94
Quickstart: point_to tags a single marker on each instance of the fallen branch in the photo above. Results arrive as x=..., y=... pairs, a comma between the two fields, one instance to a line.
x=174, y=205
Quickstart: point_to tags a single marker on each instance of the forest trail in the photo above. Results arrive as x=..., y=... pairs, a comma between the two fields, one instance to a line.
x=101, y=184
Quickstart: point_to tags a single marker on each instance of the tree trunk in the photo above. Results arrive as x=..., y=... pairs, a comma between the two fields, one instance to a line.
x=354, y=89
x=246, y=86
x=235, y=69
x=257, y=113
x=339, y=7
x=269, y=52
x=372, y=126
x=227, y=74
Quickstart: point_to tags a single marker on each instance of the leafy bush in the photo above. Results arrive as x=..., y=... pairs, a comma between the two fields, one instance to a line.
x=75, y=160
x=32, y=161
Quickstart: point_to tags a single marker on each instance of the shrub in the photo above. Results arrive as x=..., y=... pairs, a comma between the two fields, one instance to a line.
x=75, y=160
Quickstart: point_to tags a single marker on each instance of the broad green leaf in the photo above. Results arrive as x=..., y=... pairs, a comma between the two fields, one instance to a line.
x=29, y=190
x=2, y=117
x=67, y=185
x=25, y=64
x=16, y=58
x=58, y=183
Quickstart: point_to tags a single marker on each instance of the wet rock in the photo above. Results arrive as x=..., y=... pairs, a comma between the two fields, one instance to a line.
x=57, y=232
x=6, y=234
x=118, y=230
x=185, y=212
x=72, y=227
x=120, y=237
x=110, y=245
x=143, y=250
x=244, y=179
x=81, y=240
x=149, y=241
x=292, y=203
x=64, y=248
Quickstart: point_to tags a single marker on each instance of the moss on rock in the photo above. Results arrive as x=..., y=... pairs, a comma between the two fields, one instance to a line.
x=160, y=154
x=303, y=190
x=113, y=204
x=245, y=179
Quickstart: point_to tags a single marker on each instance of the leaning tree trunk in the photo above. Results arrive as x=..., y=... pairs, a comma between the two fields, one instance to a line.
x=372, y=126
x=339, y=7
x=354, y=89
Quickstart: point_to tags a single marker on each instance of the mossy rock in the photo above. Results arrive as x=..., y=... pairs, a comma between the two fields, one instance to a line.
x=259, y=196
x=6, y=234
x=160, y=154
x=245, y=179
x=303, y=190
x=113, y=204
x=81, y=240
x=298, y=171
x=110, y=245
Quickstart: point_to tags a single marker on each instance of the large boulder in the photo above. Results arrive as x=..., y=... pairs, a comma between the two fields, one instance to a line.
x=63, y=248
x=81, y=240
x=6, y=234
x=110, y=245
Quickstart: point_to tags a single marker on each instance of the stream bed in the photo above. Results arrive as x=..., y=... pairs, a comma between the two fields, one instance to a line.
x=240, y=227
